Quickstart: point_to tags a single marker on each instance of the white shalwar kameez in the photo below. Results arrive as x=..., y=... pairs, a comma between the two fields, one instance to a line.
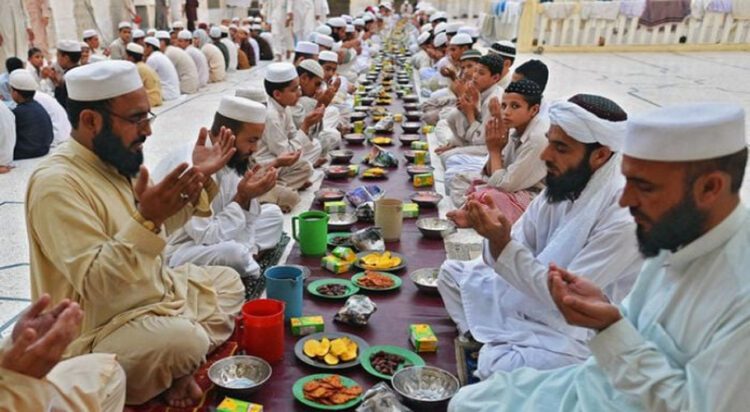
x=678, y=347
x=233, y=53
x=325, y=131
x=231, y=236
x=282, y=39
x=170, y=80
x=201, y=63
x=303, y=18
x=7, y=135
x=506, y=304
x=61, y=127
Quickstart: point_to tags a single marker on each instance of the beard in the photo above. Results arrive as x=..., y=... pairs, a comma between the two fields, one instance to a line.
x=110, y=149
x=679, y=226
x=240, y=165
x=568, y=185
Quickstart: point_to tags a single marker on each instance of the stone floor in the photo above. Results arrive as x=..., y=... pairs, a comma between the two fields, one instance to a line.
x=637, y=81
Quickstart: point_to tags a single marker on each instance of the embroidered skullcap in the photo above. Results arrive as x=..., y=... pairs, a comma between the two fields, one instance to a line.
x=524, y=87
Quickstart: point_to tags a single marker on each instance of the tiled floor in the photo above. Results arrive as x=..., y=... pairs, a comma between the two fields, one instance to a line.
x=637, y=81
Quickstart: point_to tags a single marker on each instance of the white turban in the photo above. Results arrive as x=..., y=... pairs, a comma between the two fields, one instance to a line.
x=586, y=127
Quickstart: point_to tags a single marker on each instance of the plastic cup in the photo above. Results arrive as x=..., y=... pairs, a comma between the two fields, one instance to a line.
x=263, y=329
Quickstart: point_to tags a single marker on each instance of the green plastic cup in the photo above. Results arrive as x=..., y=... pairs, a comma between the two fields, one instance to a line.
x=310, y=230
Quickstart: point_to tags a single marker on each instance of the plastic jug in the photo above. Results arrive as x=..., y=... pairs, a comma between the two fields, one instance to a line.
x=310, y=229
x=263, y=329
x=285, y=283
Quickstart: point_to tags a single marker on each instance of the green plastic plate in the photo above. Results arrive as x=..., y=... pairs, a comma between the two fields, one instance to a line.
x=299, y=394
x=412, y=359
x=350, y=288
x=396, y=282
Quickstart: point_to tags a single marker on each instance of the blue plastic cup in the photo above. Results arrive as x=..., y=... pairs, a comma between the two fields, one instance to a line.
x=285, y=283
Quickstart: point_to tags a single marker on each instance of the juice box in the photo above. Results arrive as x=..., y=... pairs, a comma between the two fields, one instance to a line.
x=424, y=179
x=410, y=210
x=398, y=117
x=236, y=405
x=344, y=253
x=306, y=325
x=353, y=172
x=419, y=145
x=420, y=157
x=338, y=206
x=335, y=265
x=423, y=338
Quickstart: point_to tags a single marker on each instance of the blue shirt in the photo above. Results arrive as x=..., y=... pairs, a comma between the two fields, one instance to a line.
x=34, y=132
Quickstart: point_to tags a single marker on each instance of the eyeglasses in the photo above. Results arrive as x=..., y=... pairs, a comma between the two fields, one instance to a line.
x=146, y=120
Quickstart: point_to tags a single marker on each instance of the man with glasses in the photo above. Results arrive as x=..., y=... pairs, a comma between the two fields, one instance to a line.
x=96, y=231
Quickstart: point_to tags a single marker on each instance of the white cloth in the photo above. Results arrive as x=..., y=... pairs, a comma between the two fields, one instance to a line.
x=187, y=71
x=276, y=13
x=676, y=348
x=632, y=8
x=558, y=10
x=608, y=10
x=170, y=80
x=256, y=49
x=45, y=85
x=303, y=17
x=586, y=127
x=216, y=65
x=421, y=60
x=233, y=53
x=7, y=135
x=231, y=236
x=201, y=63
x=506, y=303
x=13, y=24
x=281, y=136
x=61, y=127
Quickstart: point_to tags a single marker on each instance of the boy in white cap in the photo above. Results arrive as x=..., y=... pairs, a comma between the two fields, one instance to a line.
x=183, y=63
x=139, y=36
x=185, y=42
x=34, y=133
x=240, y=227
x=214, y=57
x=68, y=57
x=281, y=136
x=117, y=48
x=105, y=249
x=507, y=50
x=170, y=80
x=305, y=50
x=283, y=39
x=422, y=59
x=91, y=37
x=673, y=343
x=150, y=79
x=311, y=80
x=501, y=299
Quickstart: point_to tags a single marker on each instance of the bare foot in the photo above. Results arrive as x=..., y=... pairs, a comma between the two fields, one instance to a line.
x=4, y=169
x=184, y=392
x=459, y=217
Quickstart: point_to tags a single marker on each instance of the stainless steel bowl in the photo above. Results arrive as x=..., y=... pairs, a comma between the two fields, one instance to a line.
x=411, y=127
x=341, y=156
x=426, y=198
x=425, y=279
x=240, y=375
x=410, y=98
x=354, y=138
x=425, y=387
x=414, y=116
x=341, y=221
x=435, y=228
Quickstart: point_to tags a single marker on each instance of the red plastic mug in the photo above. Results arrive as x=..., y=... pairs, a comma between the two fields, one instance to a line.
x=263, y=329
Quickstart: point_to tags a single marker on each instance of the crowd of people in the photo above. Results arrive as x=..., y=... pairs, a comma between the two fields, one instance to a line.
x=612, y=274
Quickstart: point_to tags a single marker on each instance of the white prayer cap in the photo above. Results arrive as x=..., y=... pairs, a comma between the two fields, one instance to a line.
x=359, y=22
x=470, y=30
x=70, y=46
x=124, y=25
x=233, y=26
x=87, y=34
x=224, y=29
x=281, y=72
x=312, y=36
x=328, y=56
x=151, y=32
x=243, y=110
x=268, y=36
x=368, y=17
x=255, y=94
x=245, y=30
x=425, y=28
x=138, y=33
x=686, y=132
x=461, y=39
x=307, y=47
x=386, y=4
x=22, y=80
x=256, y=27
x=504, y=48
x=347, y=18
x=324, y=29
x=185, y=35
x=423, y=38
x=438, y=15
x=215, y=32
x=313, y=67
x=102, y=81
x=323, y=40
x=257, y=20
x=235, y=19
x=453, y=27
x=84, y=45
x=178, y=25
x=586, y=127
x=440, y=40
x=350, y=28
x=162, y=35
x=440, y=27
x=135, y=48
x=336, y=47
x=153, y=42
x=336, y=22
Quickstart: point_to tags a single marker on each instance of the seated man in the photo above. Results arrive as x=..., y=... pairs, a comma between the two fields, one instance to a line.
x=7, y=140
x=675, y=344
x=34, y=133
x=95, y=234
x=239, y=227
x=34, y=376
x=214, y=58
x=310, y=79
x=466, y=149
x=168, y=77
x=514, y=171
x=280, y=135
x=502, y=299
x=151, y=81
x=187, y=71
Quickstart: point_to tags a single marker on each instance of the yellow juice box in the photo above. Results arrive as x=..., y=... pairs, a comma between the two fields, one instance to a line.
x=236, y=405
x=335, y=265
x=306, y=325
x=423, y=338
x=338, y=206
x=423, y=180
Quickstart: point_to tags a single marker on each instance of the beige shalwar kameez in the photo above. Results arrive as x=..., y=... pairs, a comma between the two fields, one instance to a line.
x=86, y=245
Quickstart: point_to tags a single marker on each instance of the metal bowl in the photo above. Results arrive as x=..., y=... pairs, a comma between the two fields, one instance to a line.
x=411, y=127
x=354, y=138
x=409, y=156
x=408, y=138
x=367, y=101
x=414, y=116
x=412, y=170
x=426, y=198
x=341, y=156
x=240, y=375
x=425, y=279
x=410, y=98
x=425, y=387
x=357, y=116
x=329, y=194
x=337, y=172
x=338, y=222
x=435, y=228
x=411, y=107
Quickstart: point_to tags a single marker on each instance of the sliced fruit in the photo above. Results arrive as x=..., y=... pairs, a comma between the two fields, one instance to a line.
x=331, y=359
x=325, y=346
x=349, y=355
x=311, y=348
x=338, y=346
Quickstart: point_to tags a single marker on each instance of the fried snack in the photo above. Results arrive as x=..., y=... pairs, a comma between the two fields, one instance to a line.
x=330, y=391
x=375, y=280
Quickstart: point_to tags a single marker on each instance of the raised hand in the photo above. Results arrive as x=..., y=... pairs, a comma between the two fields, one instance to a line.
x=495, y=134
x=312, y=118
x=489, y=222
x=580, y=301
x=287, y=159
x=496, y=109
x=448, y=72
x=40, y=339
x=159, y=202
x=444, y=148
x=209, y=160
x=254, y=184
